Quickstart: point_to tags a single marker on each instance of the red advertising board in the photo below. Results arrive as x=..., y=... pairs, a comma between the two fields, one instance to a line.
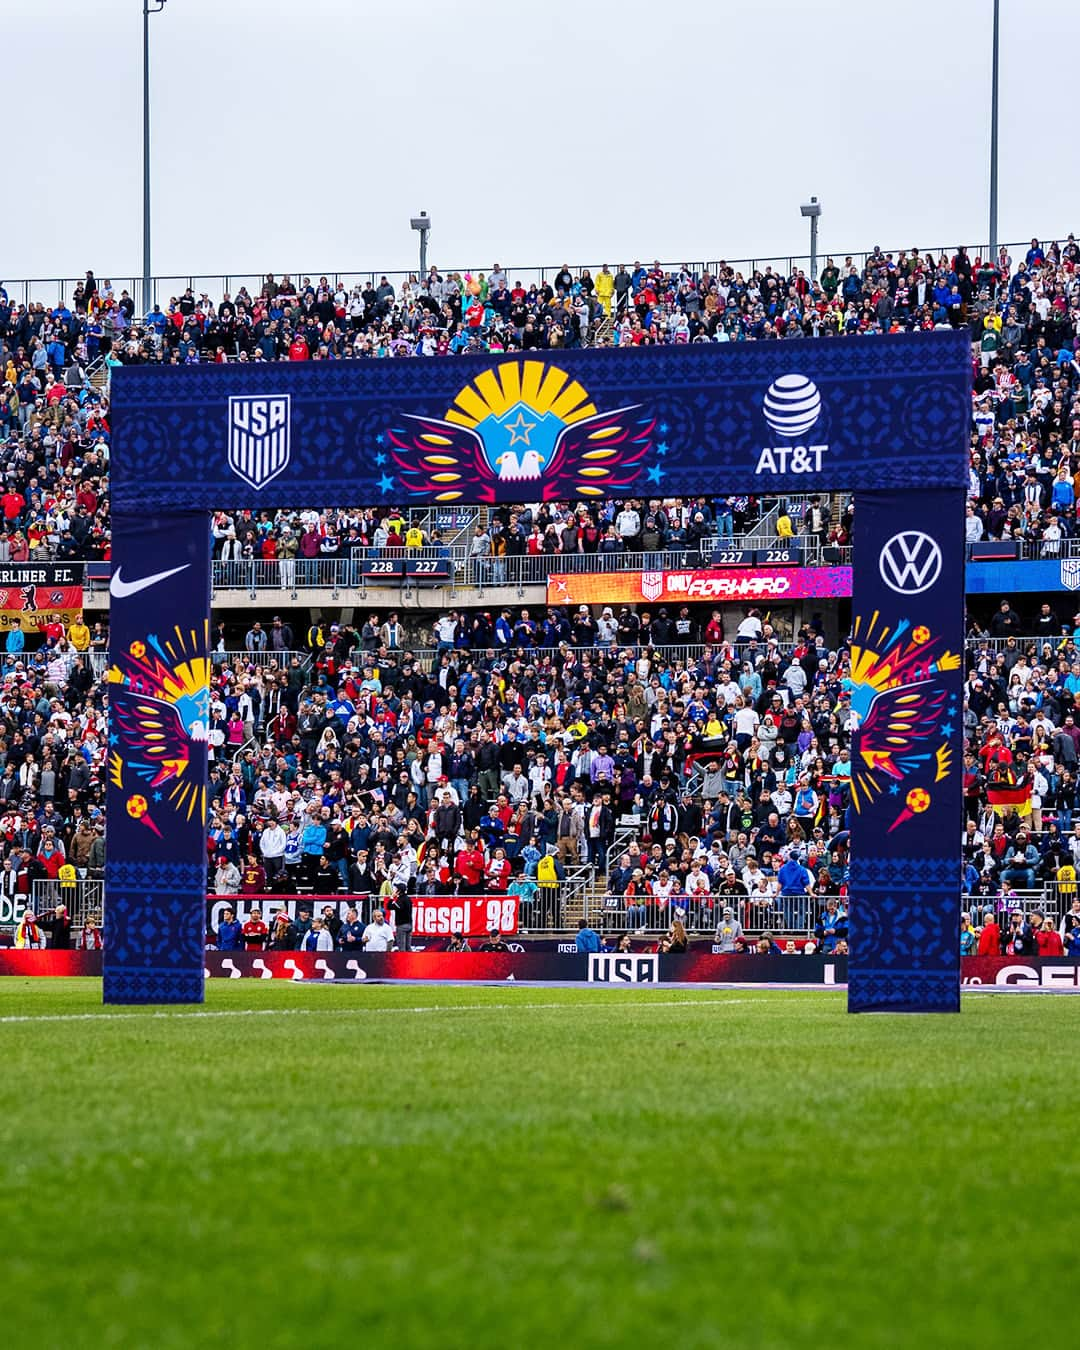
x=442, y=916
x=711, y=584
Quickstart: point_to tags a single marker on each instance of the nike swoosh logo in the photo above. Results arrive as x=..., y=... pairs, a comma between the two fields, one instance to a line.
x=121, y=589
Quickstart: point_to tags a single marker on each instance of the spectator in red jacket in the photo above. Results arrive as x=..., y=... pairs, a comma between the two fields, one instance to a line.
x=1047, y=938
x=255, y=932
x=990, y=939
x=469, y=866
x=498, y=872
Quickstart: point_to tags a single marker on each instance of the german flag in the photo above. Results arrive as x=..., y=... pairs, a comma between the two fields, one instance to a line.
x=1006, y=797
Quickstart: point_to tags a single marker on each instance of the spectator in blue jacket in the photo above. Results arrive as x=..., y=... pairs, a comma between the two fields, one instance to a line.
x=796, y=887
x=832, y=926
x=588, y=939
x=229, y=933
x=312, y=843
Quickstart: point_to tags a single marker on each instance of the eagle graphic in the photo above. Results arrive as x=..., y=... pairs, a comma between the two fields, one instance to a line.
x=521, y=425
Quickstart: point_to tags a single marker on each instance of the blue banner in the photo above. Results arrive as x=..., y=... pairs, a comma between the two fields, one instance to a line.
x=801, y=416
x=906, y=690
x=884, y=416
x=159, y=683
x=1006, y=578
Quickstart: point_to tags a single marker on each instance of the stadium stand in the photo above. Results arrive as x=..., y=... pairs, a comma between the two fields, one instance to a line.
x=640, y=768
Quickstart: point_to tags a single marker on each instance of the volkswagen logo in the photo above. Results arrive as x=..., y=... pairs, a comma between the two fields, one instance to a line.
x=910, y=562
x=792, y=405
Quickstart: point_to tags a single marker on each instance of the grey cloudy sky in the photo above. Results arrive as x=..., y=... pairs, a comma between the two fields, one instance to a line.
x=302, y=136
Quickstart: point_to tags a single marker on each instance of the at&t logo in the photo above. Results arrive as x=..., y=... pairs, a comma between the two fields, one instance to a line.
x=791, y=408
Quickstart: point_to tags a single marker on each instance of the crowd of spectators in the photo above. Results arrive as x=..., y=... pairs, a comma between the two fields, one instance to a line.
x=551, y=728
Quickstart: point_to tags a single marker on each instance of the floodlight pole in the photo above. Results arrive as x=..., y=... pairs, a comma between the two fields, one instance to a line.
x=994, y=140
x=158, y=6
x=422, y=224
x=812, y=210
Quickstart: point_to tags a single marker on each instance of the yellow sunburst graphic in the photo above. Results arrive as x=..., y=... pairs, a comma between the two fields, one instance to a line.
x=540, y=387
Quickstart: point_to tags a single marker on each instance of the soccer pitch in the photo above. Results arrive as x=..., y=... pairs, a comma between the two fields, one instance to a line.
x=507, y=1166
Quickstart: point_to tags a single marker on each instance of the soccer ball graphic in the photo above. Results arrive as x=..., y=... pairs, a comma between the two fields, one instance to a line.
x=918, y=799
x=137, y=807
x=921, y=634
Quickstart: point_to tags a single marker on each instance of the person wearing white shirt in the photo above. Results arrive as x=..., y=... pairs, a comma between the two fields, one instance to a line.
x=795, y=679
x=378, y=936
x=272, y=848
x=746, y=723
x=628, y=523
x=516, y=786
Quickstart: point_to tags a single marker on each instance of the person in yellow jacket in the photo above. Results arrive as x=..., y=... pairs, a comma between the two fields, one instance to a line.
x=785, y=531
x=605, y=288
x=79, y=634
x=28, y=935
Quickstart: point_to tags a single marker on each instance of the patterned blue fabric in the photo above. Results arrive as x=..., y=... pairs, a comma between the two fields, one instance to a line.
x=906, y=690
x=155, y=872
x=889, y=411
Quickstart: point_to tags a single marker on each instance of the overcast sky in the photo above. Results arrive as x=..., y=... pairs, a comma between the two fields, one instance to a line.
x=302, y=137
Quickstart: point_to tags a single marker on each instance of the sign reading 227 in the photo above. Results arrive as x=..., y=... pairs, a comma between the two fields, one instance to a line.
x=521, y=425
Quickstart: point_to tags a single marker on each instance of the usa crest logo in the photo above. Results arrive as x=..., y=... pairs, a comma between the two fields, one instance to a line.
x=652, y=583
x=1070, y=573
x=259, y=436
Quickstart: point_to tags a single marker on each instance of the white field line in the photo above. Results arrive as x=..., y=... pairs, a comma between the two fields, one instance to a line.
x=374, y=1012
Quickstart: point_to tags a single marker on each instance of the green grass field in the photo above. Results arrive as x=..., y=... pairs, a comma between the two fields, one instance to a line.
x=503, y=1167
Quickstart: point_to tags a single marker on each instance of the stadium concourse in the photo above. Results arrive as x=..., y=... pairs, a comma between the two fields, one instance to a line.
x=656, y=773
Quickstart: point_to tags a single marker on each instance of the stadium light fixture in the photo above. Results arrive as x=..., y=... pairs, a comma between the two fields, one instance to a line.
x=154, y=7
x=812, y=210
x=422, y=223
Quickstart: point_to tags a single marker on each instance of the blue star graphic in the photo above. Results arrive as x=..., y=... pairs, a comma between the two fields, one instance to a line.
x=380, y=459
x=519, y=429
x=157, y=796
x=385, y=483
x=894, y=790
x=662, y=448
x=663, y=428
x=946, y=728
x=655, y=474
x=114, y=739
x=380, y=439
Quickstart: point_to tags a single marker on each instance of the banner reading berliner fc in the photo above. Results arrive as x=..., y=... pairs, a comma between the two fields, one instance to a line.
x=879, y=414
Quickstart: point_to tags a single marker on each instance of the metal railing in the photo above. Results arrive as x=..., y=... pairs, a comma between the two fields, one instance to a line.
x=539, y=908
x=51, y=291
x=786, y=915
x=648, y=658
x=1032, y=550
x=264, y=659
x=81, y=898
x=1029, y=646
x=484, y=572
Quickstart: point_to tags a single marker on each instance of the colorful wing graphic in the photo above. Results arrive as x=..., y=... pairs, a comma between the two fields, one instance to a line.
x=596, y=454
x=443, y=459
x=898, y=737
x=153, y=733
